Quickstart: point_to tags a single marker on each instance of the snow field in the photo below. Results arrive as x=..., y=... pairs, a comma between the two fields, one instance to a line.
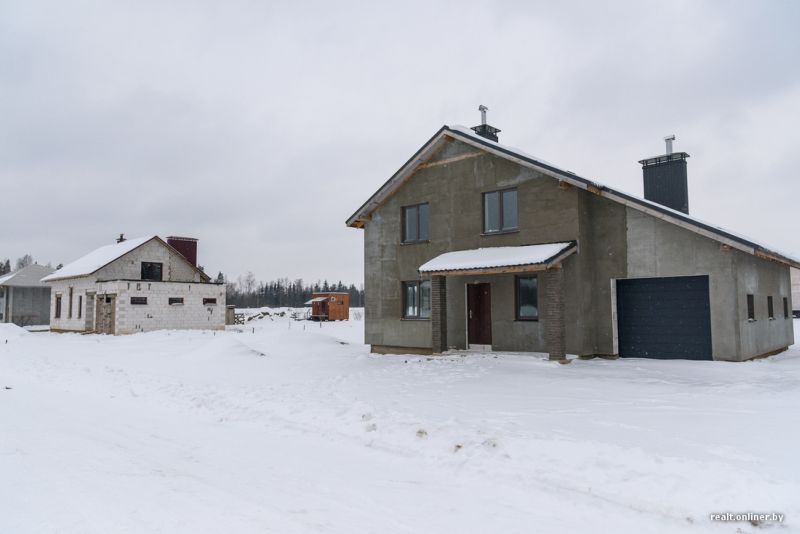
x=289, y=426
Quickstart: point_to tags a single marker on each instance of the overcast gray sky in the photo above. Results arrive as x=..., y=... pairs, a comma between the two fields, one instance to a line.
x=259, y=127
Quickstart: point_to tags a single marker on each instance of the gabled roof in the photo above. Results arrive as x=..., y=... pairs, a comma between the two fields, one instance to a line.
x=100, y=257
x=465, y=135
x=29, y=276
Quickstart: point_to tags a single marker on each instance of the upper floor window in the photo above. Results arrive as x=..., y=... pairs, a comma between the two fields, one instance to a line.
x=500, y=211
x=415, y=223
x=417, y=300
x=152, y=271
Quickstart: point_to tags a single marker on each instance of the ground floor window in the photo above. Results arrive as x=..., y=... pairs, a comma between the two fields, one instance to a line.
x=207, y=302
x=785, y=308
x=173, y=301
x=417, y=300
x=751, y=308
x=57, y=314
x=770, y=310
x=527, y=300
x=139, y=301
x=80, y=306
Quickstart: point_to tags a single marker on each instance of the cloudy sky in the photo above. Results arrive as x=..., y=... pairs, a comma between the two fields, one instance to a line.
x=259, y=127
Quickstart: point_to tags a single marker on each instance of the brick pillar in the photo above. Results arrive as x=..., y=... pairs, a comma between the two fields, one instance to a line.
x=554, y=330
x=438, y=314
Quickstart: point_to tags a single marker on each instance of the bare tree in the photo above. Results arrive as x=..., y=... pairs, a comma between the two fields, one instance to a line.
x=24, y=261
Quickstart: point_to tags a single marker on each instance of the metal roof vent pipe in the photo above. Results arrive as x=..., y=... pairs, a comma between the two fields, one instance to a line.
x=121, y=238
x=484, y=130
x=665, y=178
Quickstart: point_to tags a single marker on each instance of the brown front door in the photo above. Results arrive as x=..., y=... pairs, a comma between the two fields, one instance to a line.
x=479, y=314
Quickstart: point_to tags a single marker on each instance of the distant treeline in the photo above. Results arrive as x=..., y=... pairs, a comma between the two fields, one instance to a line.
x=247, y=292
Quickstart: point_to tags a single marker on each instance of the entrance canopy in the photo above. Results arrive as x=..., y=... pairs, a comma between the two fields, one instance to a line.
x=499, y=260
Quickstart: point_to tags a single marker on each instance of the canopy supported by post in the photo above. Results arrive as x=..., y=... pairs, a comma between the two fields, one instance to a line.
x=544, y=258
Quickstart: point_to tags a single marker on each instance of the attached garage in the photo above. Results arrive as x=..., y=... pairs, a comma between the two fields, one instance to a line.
x=664, y=318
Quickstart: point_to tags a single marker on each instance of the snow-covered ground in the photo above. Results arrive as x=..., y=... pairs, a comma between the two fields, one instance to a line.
x=285, y=426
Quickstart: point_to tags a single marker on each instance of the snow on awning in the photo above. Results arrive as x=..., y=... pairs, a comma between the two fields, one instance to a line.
x=500, y=259
x=316, y=299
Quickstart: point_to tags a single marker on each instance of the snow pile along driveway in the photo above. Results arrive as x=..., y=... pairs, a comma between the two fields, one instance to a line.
x=297, y=428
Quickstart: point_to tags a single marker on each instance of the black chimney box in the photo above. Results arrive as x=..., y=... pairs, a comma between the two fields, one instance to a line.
x=665, y=180
x=484, y=130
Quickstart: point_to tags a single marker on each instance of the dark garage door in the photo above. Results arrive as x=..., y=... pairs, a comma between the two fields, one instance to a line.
x=665, y=318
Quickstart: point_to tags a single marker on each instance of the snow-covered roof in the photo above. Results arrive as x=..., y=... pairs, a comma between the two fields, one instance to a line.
x=494, y=257
x=97, y=258
x=363, y=214
x=316, y=299
x=29, y=276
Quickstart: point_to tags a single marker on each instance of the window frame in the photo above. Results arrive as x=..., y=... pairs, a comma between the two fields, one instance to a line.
x=209, y=301
x=751, y=307
x=517, y=315
x=501, y=212
x=160, y=271
x=770, y=308
x=404, y=301
x=175, y=301
x=139, y=301
x=404, y=216
x=57, y=311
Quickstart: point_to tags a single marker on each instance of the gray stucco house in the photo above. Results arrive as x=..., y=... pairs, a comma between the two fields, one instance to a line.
x=473, y=244
x=136, y=285
x=24, y=299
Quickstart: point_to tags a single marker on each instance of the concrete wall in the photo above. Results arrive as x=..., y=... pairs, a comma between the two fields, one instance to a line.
x=80, y=287
x=546, y=214
x=25, y=306
x=157, y=314
x=659, y=248
x=129, y=266
x=762, y=278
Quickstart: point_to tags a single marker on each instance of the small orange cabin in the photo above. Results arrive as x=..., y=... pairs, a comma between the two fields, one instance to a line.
x=329, y=306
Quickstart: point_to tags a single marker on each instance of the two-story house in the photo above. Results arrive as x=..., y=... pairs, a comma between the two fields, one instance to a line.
x=136, y=285
x=473, y=244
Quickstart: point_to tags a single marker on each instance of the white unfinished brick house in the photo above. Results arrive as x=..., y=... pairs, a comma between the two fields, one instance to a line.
x=136, y=285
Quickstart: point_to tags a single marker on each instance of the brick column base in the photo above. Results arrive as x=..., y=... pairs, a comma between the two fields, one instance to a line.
x=438, y=314
x=553, y=314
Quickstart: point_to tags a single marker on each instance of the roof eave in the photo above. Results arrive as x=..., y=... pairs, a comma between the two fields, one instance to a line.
x=364, y=213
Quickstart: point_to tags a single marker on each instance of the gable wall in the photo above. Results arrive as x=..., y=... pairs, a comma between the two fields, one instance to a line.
x=129, y=266
x=546, y=214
